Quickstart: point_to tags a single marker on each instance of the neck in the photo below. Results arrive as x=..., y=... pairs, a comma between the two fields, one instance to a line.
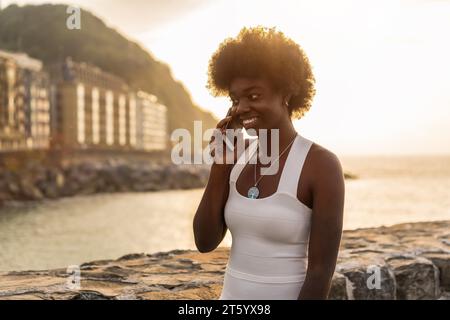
x=286, y=132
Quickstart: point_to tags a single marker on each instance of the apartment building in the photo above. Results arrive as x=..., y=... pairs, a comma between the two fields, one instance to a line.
x=24, y=103
x=93, y=109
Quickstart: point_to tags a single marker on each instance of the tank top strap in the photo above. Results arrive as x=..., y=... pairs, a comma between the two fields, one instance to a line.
x=243, y=160
x=294, y=165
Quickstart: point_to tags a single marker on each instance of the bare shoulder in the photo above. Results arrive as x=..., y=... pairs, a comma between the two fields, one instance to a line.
x=324, y=164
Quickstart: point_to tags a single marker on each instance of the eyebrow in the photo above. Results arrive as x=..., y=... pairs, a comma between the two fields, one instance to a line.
x=247, y=90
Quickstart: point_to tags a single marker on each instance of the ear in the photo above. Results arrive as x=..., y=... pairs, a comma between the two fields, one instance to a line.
x=287, y=99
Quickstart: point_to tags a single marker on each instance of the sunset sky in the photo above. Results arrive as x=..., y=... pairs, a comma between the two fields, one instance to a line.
x=382, y=67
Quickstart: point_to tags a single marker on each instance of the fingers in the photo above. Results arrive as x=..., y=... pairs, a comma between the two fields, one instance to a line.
x=215, y=147
x=216, y=143
x=212, y=149
x=213, y=142
x=223, y=122
x=215, y=133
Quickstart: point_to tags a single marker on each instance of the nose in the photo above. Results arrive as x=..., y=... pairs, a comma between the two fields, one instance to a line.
x=241, y=108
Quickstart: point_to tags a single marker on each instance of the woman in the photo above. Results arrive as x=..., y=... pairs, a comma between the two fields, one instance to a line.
x=286, y=227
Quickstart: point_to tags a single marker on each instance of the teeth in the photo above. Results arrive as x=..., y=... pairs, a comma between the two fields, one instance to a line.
x=249, y=121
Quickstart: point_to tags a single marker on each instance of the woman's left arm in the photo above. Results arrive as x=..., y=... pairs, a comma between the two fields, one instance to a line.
x=326, y=224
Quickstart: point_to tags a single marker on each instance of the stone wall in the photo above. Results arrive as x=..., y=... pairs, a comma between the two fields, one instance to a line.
x=412, y=260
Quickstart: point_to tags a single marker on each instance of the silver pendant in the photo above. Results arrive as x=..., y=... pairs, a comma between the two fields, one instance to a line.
x=253, y=193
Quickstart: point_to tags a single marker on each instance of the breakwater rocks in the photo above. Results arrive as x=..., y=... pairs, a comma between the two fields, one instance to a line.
x=38, y=181
x=51, y=182
x=406, y=261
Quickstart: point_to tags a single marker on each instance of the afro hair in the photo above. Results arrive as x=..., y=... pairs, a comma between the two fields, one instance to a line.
x=261, y=51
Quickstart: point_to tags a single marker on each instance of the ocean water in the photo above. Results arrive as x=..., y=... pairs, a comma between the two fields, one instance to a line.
x=393, y=190
x=64, y=232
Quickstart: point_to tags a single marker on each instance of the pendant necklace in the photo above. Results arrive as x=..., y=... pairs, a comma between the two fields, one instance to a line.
x=253, y=192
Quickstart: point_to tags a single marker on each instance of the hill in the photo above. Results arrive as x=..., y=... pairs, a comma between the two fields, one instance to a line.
x=40, y=31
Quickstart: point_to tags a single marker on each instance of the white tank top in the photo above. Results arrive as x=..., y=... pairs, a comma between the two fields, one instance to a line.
x=268, y=256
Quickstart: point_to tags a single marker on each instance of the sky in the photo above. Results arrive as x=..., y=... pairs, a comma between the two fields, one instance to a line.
x=382, y=67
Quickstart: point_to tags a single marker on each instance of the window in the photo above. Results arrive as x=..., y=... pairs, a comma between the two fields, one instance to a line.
x=122, y=120
x=109, y=118
x=80, y=114
x=95, y=116
x=133, y=131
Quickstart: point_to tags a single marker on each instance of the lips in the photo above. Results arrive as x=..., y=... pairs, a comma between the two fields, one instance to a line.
x=249, y=122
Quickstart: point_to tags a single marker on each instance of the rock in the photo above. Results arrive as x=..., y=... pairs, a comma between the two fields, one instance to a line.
x=368, y=279
x=53, y=183
x=338, y=290
x=444, y=296
x=144, y=186
x=181, y=274
x=350, y=176
x=5, y=196
x=90, y=295
x=442, y=262
x=68, y=179
x=185, y=177
x=416, y=277
x=386, y=264
x=14, y=188
x=30, y=191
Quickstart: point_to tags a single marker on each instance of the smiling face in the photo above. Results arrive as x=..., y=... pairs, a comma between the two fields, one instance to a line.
x=259, y=105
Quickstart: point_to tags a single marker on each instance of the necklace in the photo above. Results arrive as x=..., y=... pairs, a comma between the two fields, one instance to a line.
x=253, y=192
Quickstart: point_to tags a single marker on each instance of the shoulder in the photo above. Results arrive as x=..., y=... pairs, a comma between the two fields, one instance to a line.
x=323, y=159
x=324, y=166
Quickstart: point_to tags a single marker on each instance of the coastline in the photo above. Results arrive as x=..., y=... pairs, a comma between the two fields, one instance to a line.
x=93, y=177
x=61, y=180
x=412, y=259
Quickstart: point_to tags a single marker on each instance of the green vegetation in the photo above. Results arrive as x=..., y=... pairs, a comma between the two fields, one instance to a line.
x=40, y=31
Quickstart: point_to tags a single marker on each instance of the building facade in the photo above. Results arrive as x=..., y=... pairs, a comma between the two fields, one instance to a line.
x=96, y=110
x=151, y=127
x=24, y=103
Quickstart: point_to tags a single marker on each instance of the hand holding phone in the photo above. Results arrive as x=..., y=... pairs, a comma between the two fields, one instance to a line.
x=234, y=124
x=229, y=122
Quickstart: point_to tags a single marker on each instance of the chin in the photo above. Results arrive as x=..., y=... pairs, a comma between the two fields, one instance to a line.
x=252, y=131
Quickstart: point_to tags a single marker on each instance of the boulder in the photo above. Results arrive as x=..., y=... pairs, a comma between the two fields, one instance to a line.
x=377, y=269
x=368, y=279
x=417, y=278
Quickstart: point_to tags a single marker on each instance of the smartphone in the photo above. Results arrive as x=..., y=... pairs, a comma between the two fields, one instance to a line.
x=234, y=123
